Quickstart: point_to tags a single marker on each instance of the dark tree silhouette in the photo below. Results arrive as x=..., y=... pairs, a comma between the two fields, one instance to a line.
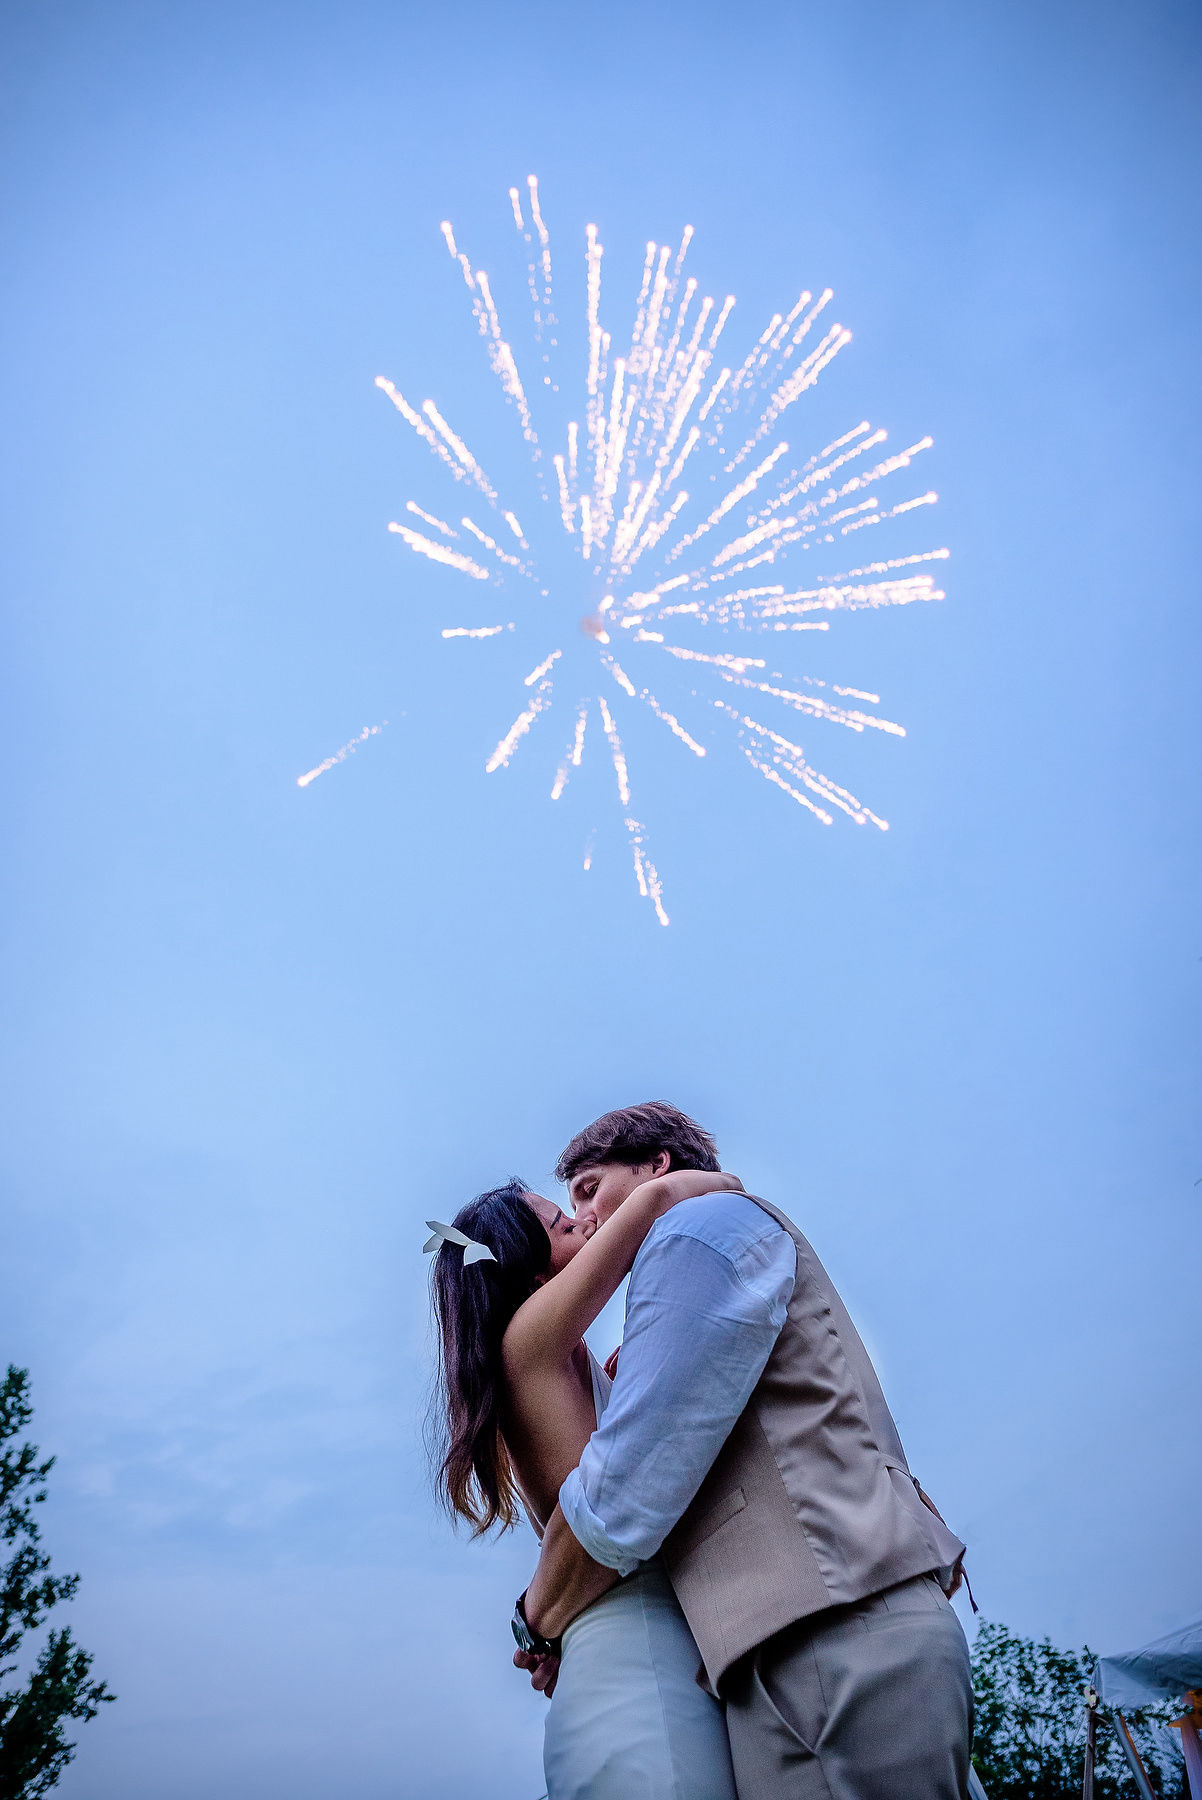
x=1030, y=1724
x=33, y=1749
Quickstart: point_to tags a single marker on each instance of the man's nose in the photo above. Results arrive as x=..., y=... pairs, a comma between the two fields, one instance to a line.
x=586, y=1218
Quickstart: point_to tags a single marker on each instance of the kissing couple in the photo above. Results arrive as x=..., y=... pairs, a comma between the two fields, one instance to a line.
x=741, y=1589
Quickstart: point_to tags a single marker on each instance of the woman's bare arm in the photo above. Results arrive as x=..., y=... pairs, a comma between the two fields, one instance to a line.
x=547, y=1327
x=550, y=1407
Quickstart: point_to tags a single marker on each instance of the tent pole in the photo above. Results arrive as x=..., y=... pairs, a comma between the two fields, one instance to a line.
x=1091, y=1741
x=1190, y=1746
x=1134, y=1760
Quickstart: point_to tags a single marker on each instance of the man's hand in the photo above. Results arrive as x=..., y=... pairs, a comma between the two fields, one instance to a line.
x=543, y=1670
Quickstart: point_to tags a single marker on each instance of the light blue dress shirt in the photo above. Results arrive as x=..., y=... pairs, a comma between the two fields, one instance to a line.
x=707, y=1300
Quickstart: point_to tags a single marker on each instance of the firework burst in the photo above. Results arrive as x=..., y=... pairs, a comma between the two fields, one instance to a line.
x=678, y=491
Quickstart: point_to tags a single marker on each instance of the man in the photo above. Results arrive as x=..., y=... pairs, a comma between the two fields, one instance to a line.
x=747, y=1443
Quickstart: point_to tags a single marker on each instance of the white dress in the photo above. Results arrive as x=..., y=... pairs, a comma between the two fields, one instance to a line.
x=628, y=1720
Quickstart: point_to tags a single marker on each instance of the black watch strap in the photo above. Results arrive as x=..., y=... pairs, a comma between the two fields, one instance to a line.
x=525, y=1636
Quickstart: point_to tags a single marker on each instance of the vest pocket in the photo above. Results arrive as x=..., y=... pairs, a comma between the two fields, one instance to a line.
x=709, y=1522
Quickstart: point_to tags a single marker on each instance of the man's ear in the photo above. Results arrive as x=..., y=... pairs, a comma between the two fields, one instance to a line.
x=661, y=1162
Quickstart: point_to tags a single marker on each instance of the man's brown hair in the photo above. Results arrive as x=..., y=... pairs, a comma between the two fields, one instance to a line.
x=633, y=1135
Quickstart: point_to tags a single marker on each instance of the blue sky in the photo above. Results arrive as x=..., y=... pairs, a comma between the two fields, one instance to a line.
x=254, y=1035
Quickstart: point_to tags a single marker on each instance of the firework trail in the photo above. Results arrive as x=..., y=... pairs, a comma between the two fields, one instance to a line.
x=666, y=497
x=369, y=731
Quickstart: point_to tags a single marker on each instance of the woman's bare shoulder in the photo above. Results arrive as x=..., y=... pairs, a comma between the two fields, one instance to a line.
x=521, y=1342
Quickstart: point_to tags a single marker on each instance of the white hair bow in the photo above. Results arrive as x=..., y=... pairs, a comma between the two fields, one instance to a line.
x=447, y=1234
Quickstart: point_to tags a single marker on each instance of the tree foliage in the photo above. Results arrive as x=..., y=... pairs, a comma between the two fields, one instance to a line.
x=1029, y=1742
x=33, y=1748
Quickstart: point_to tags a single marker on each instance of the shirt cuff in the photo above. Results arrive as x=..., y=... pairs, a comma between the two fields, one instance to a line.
x=589, y=1531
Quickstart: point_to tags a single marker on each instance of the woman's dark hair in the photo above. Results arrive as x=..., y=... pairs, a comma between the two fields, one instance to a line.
x=473, y=1305
x=633, y=1134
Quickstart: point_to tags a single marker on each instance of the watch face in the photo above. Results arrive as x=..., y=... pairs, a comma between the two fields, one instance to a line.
x=521, y=1633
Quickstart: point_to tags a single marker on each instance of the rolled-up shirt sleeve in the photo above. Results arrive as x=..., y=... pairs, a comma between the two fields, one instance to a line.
x=703, y=1313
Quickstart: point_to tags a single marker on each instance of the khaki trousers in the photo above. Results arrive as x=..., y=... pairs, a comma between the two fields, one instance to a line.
x=865, y=1702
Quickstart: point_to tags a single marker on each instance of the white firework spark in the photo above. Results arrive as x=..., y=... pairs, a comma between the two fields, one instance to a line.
x=369, y=731
x=677, y=476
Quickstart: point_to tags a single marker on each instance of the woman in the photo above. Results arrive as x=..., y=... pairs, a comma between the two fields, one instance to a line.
x=522, y=1395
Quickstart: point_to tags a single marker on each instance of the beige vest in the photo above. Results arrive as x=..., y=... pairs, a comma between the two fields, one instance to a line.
x=810, y=1502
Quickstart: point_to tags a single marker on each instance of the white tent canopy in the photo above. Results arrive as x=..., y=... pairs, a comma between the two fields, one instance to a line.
x=1160, y=1671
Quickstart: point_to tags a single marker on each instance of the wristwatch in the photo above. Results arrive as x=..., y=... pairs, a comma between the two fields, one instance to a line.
x=525, y=1636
